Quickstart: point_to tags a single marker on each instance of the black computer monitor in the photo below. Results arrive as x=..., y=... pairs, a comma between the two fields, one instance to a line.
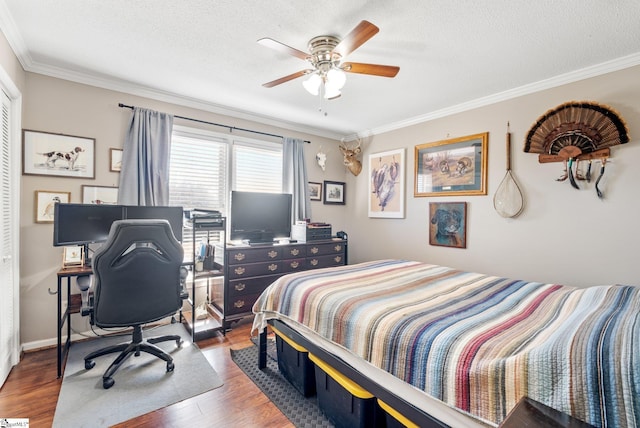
x=79, y=224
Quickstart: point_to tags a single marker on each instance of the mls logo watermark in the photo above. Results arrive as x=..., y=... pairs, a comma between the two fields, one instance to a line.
x=14, y=422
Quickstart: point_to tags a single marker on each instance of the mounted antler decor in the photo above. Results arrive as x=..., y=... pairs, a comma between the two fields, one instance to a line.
x=350, y=157
x=577, y=131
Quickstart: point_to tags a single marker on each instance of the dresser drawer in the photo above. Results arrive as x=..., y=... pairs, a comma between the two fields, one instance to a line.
x=294, y=265
x=293, y=251
x=326, y=248
x=239, y=287
x=248, y=270
x=241, y=304
x=325, y=261
x=250, y=255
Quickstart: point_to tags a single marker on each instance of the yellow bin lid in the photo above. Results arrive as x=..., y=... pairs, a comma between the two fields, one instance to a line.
x=353, y=388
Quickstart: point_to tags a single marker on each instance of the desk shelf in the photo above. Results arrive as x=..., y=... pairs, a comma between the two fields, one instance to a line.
x=211, y=325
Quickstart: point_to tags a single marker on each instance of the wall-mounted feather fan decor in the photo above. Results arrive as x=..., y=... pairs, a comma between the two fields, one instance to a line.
x=574, y=132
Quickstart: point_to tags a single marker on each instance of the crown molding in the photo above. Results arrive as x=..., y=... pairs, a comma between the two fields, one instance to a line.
x=553, y=82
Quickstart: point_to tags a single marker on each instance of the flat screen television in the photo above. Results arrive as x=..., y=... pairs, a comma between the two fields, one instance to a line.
x=259, y=217
x=81, y=224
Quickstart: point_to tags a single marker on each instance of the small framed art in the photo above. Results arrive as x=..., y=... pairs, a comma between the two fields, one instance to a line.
x=72, y=256
x=334, y=192
x=315, y=191
x=99, y=195
x=448, y=224
x=452, y=167
x=115, y=160
x=45, y=202
x=61, y=155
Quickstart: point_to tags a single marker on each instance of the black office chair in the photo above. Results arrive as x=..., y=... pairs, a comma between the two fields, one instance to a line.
x=137, y=281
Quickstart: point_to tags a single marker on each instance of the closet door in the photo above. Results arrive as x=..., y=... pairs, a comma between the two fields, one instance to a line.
x=9, y=328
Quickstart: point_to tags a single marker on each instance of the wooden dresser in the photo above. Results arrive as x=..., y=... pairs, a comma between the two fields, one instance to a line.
x=248, y=270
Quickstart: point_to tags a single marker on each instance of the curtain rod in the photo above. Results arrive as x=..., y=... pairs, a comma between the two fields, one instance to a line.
x=230, y=128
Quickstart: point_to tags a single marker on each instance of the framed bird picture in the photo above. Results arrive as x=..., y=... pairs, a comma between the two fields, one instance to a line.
x=45, y=203
x=386, y=184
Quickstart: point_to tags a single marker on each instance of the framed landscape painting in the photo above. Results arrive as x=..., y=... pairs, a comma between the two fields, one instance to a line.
x=334, y=192
x=452, y=167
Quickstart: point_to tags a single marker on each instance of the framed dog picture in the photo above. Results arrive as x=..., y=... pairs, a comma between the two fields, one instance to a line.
x=61, y=155
x=448, y=224
x=99, y=195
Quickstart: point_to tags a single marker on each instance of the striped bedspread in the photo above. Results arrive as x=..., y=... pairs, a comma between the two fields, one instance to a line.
x=476, y=342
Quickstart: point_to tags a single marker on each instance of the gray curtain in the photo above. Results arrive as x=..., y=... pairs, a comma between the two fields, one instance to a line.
x=144, y=178
x=294, y=181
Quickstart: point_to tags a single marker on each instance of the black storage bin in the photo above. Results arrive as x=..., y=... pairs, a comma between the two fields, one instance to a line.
x=295, y=365
x=393, y=418
x=344, y=402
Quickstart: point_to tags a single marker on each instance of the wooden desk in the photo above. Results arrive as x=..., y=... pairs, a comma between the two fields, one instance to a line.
x=66, y=316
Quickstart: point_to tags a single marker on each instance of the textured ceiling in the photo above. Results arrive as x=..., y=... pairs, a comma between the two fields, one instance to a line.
x=452, y=55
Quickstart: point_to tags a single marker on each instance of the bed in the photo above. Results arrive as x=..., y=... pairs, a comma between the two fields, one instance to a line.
x=458, y=348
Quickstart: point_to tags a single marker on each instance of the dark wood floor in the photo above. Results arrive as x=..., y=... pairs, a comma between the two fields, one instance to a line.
x=32, y=388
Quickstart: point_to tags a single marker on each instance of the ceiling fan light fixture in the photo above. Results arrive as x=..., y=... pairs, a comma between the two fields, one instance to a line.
x=331, y=92
x=336, y=78
x=312, y=84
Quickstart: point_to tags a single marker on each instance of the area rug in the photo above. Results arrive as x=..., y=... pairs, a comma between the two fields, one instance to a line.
x=142, y=383
x=302, y=412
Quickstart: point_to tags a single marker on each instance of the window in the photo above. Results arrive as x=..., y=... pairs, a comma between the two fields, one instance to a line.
x=201, y=175
x=202, y=172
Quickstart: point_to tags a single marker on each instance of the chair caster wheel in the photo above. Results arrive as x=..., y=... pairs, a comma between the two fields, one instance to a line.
x=107, y=382
x=179, y=342
x=89, y=364
x=170, y=366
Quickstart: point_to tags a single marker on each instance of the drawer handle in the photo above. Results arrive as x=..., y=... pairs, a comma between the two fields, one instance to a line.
x=239, y=257
x=295, y=252
x=338, y=248
x=295, y=265
x=272, y=267
x=238, y=303
x=239, y=270
x=240, y=287
x=314, y=262
x=272, y=254
x=338, y=259
x=314, y=250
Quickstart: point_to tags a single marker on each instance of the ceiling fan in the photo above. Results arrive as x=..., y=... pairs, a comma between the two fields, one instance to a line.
x=325, y=56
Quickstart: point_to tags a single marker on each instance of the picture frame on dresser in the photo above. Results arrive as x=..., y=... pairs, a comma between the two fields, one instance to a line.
x=62, y=155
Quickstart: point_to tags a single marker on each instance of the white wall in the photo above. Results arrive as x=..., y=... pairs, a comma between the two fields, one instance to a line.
x=564, y=235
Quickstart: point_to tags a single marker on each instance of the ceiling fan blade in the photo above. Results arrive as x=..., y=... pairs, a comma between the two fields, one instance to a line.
x=286, y=78
x=281, y=47
x=363, y=32
x=374, y=69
